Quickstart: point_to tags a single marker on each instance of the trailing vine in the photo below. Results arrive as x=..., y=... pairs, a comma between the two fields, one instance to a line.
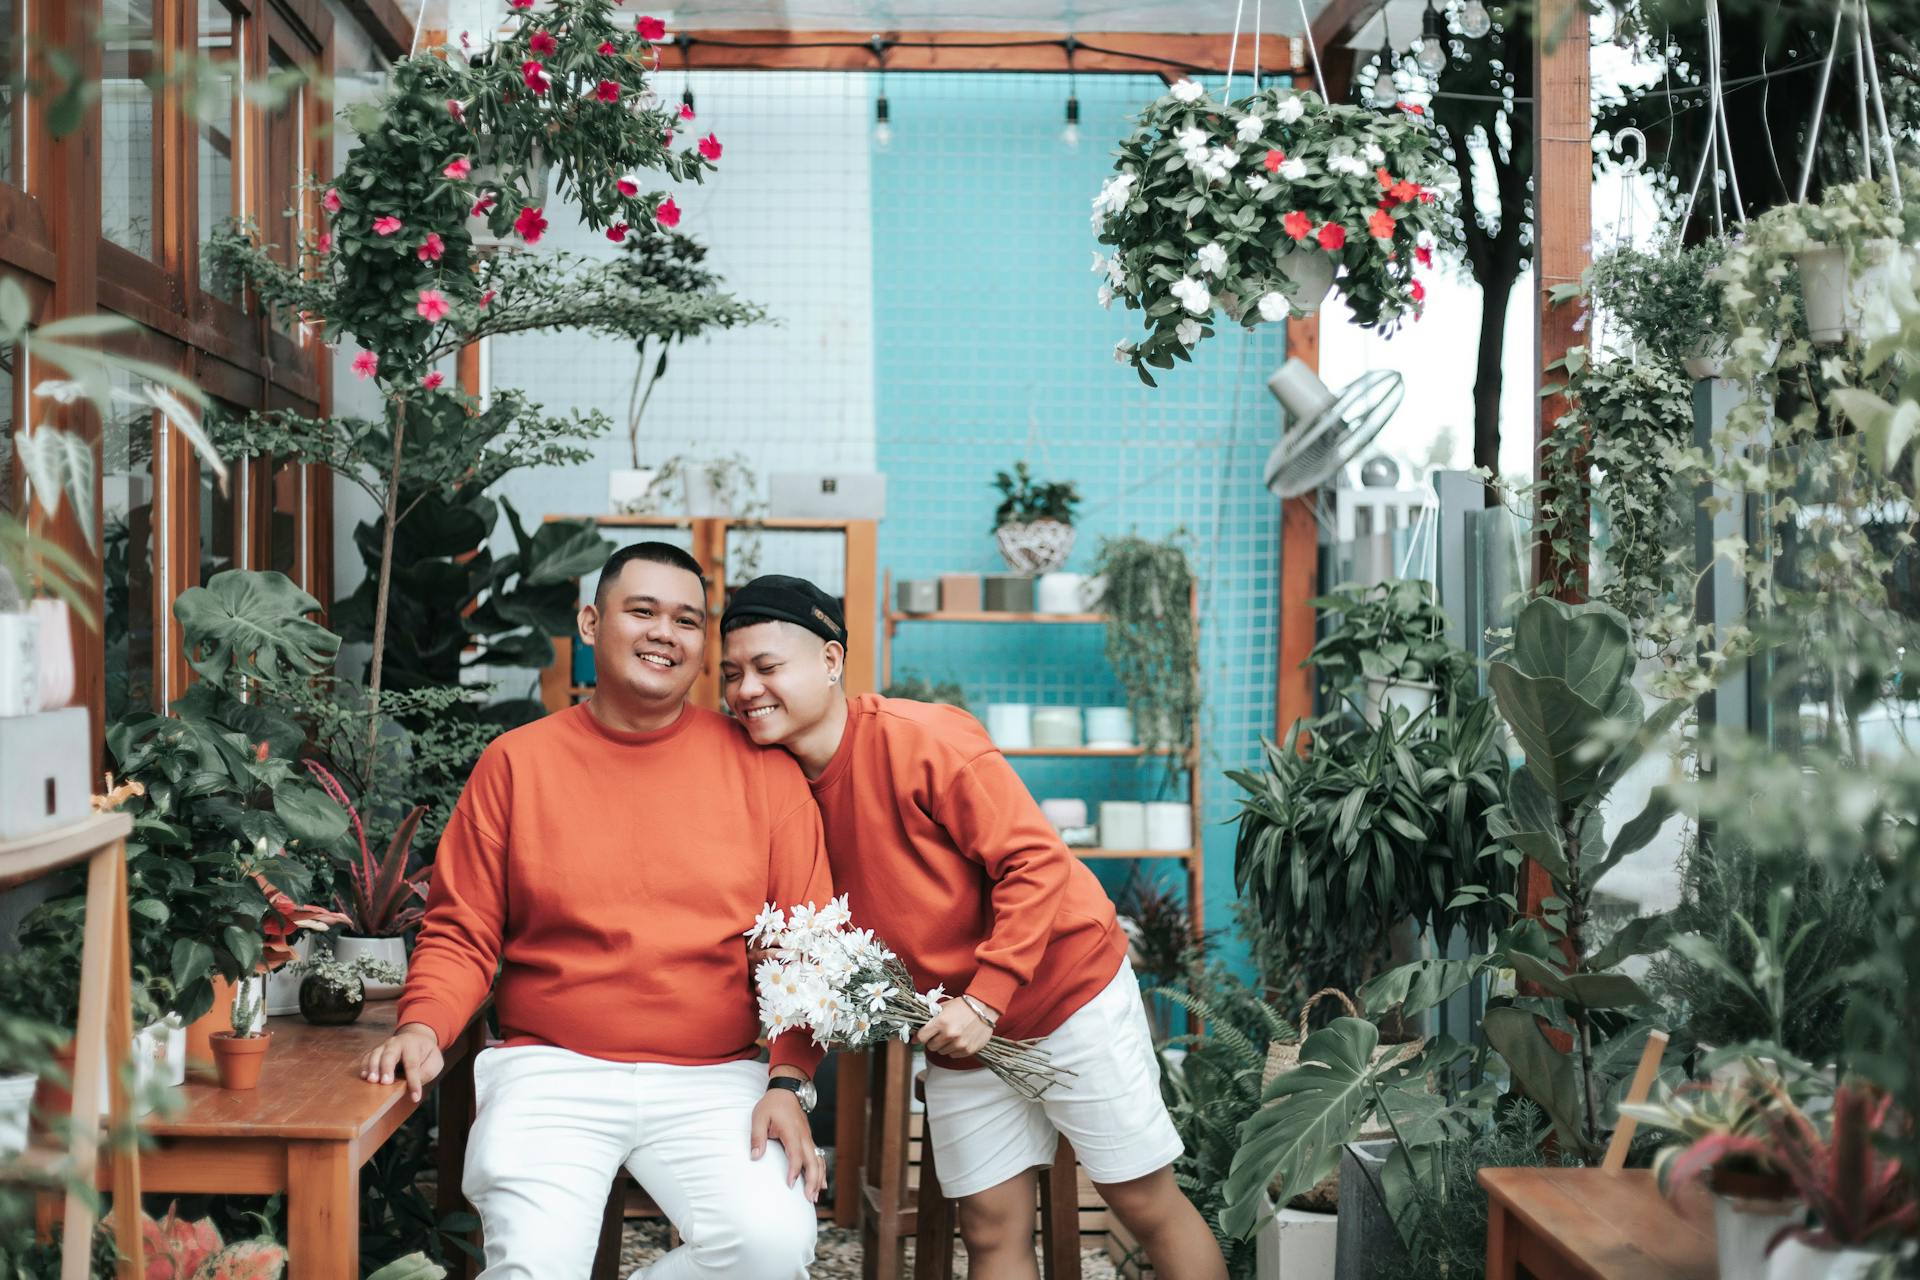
x=1152, y=642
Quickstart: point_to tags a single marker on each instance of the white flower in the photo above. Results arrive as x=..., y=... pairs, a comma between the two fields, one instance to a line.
x=1099, y=263
x=1114, y=194
x=1226, y=156
x=934, y=998
x=837, y=914
x=1123, y=352
x=1293, y=168
x=1117, y=274
x=1193, y=295
x=1374, y=154
x=1291, y=108
x=767, y=924
x=1212, y=259
x=59, y=390
x=1348, y=163
x=1187, y=91
x=1105, y=296
x=1249, y=128
x=1193, y=146
x=1188, y=332
x=1258, y=182
x=1273, y=307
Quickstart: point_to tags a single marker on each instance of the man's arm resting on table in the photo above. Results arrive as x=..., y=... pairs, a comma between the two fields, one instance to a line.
x=411, y=1053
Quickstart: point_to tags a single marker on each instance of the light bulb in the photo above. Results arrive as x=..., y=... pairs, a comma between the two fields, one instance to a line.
x=1385, y=92
x=882, y=127
x=1475, y=21
x=1432, y=57
x=1070, y=133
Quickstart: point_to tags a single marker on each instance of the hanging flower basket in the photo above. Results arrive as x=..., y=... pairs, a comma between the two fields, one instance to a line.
x=1037, y=547
x=1255, y=208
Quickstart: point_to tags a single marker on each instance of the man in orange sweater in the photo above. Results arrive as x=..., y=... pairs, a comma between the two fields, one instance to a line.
x=943, y=853
x=607, y=861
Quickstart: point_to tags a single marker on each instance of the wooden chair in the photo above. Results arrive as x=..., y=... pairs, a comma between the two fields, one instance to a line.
x=1650, y=1055
x=936, y=1217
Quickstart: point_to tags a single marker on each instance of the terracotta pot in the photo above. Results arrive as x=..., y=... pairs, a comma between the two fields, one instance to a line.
x=51, y=1098
x=239, y=1059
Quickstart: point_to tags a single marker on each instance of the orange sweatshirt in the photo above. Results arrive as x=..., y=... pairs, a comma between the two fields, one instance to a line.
x=610, y=876
x=944, y=854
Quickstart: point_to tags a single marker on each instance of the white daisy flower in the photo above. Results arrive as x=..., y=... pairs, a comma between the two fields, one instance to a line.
x=1273, y=307
x=1258, y=182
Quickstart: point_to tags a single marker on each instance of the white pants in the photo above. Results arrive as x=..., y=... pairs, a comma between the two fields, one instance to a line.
x=984, y=1133
x=553, y=1128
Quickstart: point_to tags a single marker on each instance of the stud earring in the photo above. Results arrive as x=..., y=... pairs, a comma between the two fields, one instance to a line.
x=833, y=677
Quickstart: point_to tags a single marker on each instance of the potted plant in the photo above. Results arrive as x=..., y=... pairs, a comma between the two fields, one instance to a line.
x=1832, y=247
x=382, y=902
x=1034, y=522
x=1390, y=641
x=1256, y=206
x=1668, y=301
x=1152, y=643
x=333, y=991
x=238, y=1054
x=917, y=688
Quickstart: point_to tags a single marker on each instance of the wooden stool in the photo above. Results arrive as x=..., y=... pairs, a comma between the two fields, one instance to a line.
x=936, y=1215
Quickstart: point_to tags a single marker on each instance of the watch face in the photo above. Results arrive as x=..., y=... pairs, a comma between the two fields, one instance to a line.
x=808, y=1095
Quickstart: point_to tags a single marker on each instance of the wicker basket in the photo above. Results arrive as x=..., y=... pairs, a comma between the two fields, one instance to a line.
x=1039, y=547
x=1324, y=1195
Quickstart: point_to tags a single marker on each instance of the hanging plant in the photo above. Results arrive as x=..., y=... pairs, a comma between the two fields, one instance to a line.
x=1255, y=207
x=1152, y=644
x=1668, y=301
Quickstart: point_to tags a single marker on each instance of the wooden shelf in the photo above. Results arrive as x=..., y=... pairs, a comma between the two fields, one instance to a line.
x=996, y=616
x=1118, y=753
x=1097, y=852
x=35, y=855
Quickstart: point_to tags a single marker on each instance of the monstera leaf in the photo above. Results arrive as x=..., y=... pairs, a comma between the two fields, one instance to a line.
x=255, y=623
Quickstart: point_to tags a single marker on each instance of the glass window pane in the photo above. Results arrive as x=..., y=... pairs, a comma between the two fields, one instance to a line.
x=13, y=103
x=283, y=529
x=127, y=141
x=282, y=218
x=7, y=482
x=127, y=549
x=216, y=523
x=221, y=125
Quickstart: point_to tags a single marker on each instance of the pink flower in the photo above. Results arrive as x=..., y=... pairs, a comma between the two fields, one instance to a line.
x=331, y=201
x=535, y=75
x=543, y=44
x=1332, y=236
x=1419, y=291
x=1274, y=160
x=325, y=243
x=1297, y=224
x=489, y=296
x=455, y=110
x=520, y=4
x=606, y=49
x=432, y=305
x=530, y=225
x=386, y=224
x=668, y=214
x=627, y=184
x=433, y=380
x=607, y=91
x=710, y=147
x=650, y=28
x=365, y=365
x=686, y=111
x=458, y=167
x=431, y=249
x=480, y=206
x=1413, y=108
x=617, y=232
x=1423, y=256
x=666, y=139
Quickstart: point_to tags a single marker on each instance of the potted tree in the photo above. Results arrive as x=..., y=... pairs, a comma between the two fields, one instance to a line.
x=238, y=1054
x=333, y=991
x=1034, y=522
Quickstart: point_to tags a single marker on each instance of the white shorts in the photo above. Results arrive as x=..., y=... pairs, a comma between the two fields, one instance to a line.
x=984, y=1133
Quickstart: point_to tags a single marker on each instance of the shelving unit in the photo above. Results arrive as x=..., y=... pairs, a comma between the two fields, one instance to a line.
x=1194, y=855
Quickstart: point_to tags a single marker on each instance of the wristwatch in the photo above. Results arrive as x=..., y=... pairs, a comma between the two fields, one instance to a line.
x=801, y=1089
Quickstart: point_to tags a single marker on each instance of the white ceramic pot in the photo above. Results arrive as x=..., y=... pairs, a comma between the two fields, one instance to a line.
x=1743, y=1228
x=1040, y=546
x=283, y=987
x=1884, y=262
x=1123, y=824
x=163, y=1049
x=1060, y=593
x=1061, y=813
x=1109, y=727
x=1795, y=1260
x=630, y=491
x=1094, y=593
x=1056, y=727
x=348, y=948
x=1824, y=288
x=16, y=1106
x=1010, y=725
x=54, y=652
x=1309, y=274
x=1708, y=359
x=1411, y=696
x=19, y=664
x=1169, y=826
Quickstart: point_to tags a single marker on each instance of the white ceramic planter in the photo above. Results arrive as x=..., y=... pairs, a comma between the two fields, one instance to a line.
x=1296, y=1245
x=19, y=664
x=1706, y=360
x=1743, y=1228
x=1823, y=286
x=283, y=987
x=1123, y=824
x=1310, y=272
x=348, y=948
x=1060, y=593
x=1793, y=1260
x=16, y=1106
x=1010, y=725
x=1412, y=696
x=1061, y=812
x=630, y=491
x=163, y=1045
x=1056, y=727
x=1169, y=826
x=1109, y=727
x=54, y=651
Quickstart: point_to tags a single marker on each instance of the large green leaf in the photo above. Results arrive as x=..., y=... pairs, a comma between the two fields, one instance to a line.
x=1543, y=1072
x=254, y=622
x=1641, y=936
x=562, y=551
x=1588, y=645
x=1590, y=990
x=1553, y=725
x=311, y=815
x=1653, y=730
x=1420, y=985
x=1633, y=837
x=58, y=462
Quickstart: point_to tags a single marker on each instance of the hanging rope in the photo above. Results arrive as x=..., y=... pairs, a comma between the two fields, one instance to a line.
x=1313, y=50
x=1860, y=93
x=1880, y=108
x=1819, y=105
x=1233, y=50
x=1720, y=111
x=1256, y=45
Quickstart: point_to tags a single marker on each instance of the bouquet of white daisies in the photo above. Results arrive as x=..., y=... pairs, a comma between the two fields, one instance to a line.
x=844, y=987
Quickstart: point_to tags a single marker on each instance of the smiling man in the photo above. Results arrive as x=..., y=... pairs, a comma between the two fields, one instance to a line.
x=607, y=861
x=943, y=853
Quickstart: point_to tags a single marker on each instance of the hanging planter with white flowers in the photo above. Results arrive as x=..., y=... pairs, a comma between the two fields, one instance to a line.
x=1257, y=207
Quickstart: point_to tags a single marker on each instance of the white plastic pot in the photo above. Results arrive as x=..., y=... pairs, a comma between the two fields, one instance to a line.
x=630, y=491
x=1060, y=593
x=1010, y=724
x=1169, y=826
x=16, y=1105
x=1310, y=273
x=1795, y=1260
x=1109, y=727
x=392, y=950
x=488, y=179
x=1708, y=359
x=1123, y=824
x=1412, y=696
x=1743, y=1228
x=1824, y=288
x=283, y=986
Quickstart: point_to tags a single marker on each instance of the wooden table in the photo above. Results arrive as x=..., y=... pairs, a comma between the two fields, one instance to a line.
x=1593, y=1223
x=306, y=1131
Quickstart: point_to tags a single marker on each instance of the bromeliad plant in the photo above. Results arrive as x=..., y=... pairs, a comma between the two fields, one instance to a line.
x=382, y=900
x=1234, y=205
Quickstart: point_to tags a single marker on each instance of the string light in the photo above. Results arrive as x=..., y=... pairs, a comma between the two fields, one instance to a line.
x=1385, y=92
x=1475, y=21
x=1070, y=133
x=1432, y=57
x=882, y=119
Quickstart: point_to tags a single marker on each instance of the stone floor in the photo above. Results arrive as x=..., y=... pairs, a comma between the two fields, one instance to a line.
x=837, y=1257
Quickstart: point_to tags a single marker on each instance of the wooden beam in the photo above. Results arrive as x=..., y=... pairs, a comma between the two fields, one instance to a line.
x=1339, y=21
x=1095, y=52
x=385, y=23
x=1299, y=555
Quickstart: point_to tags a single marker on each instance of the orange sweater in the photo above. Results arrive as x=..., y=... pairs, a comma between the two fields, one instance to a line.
x=944, y=854
x=610, y=876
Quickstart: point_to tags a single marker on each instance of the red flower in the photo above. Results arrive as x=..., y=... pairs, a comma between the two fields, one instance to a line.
x=520, y=4
x=530, y=225
x=1404, y=190
x=386, y=224
x=1426, y=197
x=668, y=214
x=325, y=243
x=455, y=110
x=710, y=147
x=480, y=206
x=1332, y=236
x=1380, y=224
x=686, y=111
x=1423, y=256
x=1419, y=291
x=260, y=752
x=433, y=380
x=627, y=184
x=606, y=49
x=1274, y=160
x=536, y=76
x=543, y=44
x=489, y=296
x=650, y=28
x=617, y=232
x=607, y=91
x=1384, y=178
x=432, y=306
x=365, y=365
x=1413, y=108
x=331, y=201
x=431, y=249
x=457, y=168
x=1297, y=224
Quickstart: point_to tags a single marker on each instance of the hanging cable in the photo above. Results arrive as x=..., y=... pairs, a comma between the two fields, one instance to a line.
x=1256, y=45
x=1070, y=132
x=1880, y=109
x=1819, y=105
x=1233, y=51
x=1860, y=93
x=882, y=117
x=1313, y=49
x=1720, y=111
